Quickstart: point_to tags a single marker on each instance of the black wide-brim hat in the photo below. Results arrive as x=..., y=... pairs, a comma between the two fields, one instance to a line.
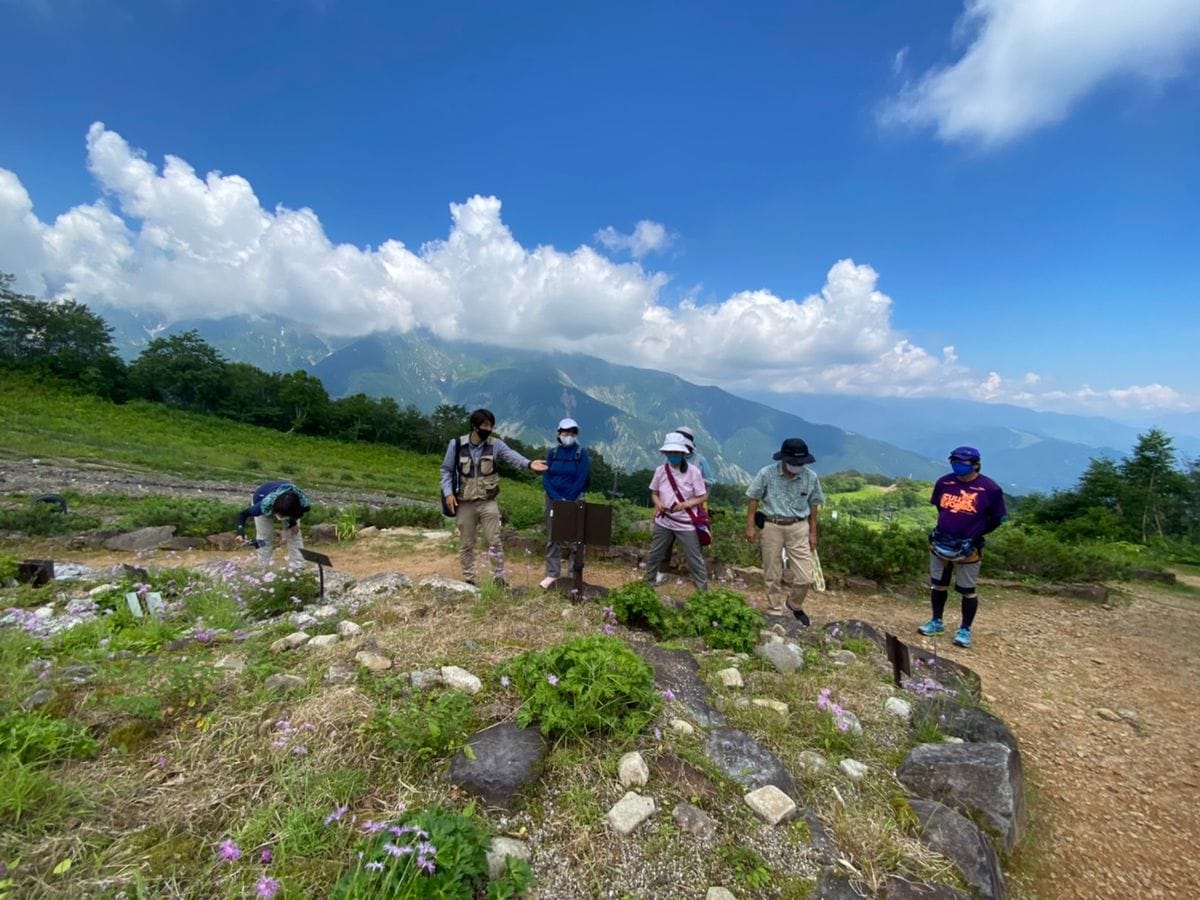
x=795, y=452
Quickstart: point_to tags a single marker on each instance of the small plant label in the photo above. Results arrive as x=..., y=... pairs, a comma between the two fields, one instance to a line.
x=135, y=606
x=154, y=604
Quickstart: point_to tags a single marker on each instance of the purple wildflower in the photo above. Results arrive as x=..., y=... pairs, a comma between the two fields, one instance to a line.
x=338, y=812
x=504, y=681
x=552, y=678
x=266, y=856
x=374, y=865
x=267, y=887
x=668, y=695
x=371, y=827
x=426, y=864
x=228, y=851
x=397, y=851
x=300, y=750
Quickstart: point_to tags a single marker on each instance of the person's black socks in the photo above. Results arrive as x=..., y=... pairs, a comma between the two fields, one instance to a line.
x=970, y=607
x=937, y=597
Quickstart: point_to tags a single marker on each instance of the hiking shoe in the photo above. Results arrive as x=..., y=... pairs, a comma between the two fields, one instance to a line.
x=546, y=583
x=661, y=578
x=962, y=637
x=932, y=627
x=801, y=616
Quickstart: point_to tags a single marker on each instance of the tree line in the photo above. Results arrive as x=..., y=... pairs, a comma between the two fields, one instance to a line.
x=65, y=340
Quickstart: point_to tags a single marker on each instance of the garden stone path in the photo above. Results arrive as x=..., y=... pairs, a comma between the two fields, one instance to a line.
x=1103, y=701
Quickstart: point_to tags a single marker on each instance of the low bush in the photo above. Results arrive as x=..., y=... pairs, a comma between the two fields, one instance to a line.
x=891, y=553
x=1037, y=552
x=194, y=517
x=44, y=520
x=723, y=619
x=585, y=686
x=275, y=591
x=36, y=739
x=426, y=726
x=637, y=605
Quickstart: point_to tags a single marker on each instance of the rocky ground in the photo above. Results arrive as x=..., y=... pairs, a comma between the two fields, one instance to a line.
x=1102, y=698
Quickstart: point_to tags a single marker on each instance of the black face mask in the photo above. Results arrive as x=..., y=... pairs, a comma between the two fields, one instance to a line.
x=484, y=433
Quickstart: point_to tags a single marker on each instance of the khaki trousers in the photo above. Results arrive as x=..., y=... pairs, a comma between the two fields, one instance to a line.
x=472, y=516
x=790, y=582
x=264, y=532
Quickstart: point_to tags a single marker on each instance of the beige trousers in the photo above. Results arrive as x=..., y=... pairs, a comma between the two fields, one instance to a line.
x=790, y=582
x=473, y=515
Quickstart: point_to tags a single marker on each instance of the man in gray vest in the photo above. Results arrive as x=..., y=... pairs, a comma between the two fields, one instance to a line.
x=471, y=483
x=788, y=494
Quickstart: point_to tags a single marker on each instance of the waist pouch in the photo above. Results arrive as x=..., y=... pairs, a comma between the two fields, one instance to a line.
x=951, y=548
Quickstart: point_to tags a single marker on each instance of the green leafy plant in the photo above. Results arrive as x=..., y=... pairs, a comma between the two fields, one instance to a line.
x=43, y=520
x=346, y=523
x=637, y=605
x=723, y=618
x=749, y=868
x=588, y=685
x=275, y=591
x=36, y=739
x=426, y=726
x=431, y=854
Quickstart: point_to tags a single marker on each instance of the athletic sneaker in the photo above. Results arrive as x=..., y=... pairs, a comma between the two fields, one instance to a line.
x=661, y=578
x=932, y=627
x=546, y=583
x=962, y=637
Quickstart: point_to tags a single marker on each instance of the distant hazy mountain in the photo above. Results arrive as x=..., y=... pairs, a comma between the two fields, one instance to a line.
x=624, y=410
x=1036, y=450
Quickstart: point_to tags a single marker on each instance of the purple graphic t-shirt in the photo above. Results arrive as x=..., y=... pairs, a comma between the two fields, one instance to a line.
x=968, y=509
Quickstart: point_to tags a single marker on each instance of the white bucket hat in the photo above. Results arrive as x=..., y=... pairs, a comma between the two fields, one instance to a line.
x=674, y=442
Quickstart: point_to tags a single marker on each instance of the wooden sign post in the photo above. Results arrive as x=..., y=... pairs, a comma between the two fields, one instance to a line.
x=577, y=522
x=897, y=652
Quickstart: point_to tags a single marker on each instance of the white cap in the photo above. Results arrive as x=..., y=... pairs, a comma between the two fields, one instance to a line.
x=673, y=442
x=568, y=424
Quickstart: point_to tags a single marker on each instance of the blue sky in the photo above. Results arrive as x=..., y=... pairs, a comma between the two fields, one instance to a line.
x=831, y=193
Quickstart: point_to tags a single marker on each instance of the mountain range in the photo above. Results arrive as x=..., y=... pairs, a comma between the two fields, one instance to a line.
x=624, y=411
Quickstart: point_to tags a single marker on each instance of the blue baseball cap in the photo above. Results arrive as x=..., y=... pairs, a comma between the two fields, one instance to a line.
x=965, y=454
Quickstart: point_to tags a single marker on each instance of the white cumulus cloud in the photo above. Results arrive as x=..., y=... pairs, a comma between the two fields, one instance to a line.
x=1027, y=62
x=647, y=237
x=168, y=242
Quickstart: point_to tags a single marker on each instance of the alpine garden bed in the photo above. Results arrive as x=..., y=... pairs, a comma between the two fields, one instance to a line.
x=258, y=741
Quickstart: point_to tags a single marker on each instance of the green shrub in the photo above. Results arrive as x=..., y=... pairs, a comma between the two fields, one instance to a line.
x=723, y=618
x=43, y=520
x=891, y=553
x=8, y=567
x=194, y=516
x=637, y=605
x=276, y=591
x=410, y=515
x=37, y=739
x=1037, y=552
x=588, y=685
x=427, y=726
x=432, y=854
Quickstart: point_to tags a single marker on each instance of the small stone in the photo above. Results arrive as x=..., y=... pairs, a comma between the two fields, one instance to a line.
x=855, y=770
x=694, y=820
x=328, y=611
x=951, y=739
x=304, y=620
x=771, y=804
x=502, y=849
x=629, y=812
x=719, y=893
x=778, y=705
x=338, y=673
x=731, y=678
x=899, y=708
x=784, y=657
x=40, y=697
x=679, y=726
x=102, y=589
x=283, y=684
x=813, y=762
x=346, y=628
x=461, y=680
x=632, y=770
x=848, y=721
x=291, y=642
x=324, y=640
x=1108, y=715
x=1042, y=708
x=234, y=664
x=376, y=662
x=842, y=657
x=425, y=678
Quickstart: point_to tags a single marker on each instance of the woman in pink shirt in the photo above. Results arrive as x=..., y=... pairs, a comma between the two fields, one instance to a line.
x=675, y=489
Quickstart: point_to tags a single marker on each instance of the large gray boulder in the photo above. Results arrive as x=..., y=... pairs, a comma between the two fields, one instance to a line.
x=747, y=761
x=958, y=839
x=142, y=539
x=383, y=584
x=678, y=672
x=504, y=758
x=981, y=780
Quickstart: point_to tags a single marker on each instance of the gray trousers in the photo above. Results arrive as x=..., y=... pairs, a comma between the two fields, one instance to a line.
x=662, y=540
x=554, y=551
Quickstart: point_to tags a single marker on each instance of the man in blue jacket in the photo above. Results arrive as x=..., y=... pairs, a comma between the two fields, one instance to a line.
x=566, y=478
x=280, y=500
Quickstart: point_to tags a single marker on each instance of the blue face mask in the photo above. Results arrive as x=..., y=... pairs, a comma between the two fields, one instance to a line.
x=675, y=458
x=962, y=468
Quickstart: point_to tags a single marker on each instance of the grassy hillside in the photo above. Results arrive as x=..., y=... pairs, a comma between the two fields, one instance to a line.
x=47, y=421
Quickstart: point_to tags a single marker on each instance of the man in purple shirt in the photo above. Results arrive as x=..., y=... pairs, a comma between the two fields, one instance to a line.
x=969, y=506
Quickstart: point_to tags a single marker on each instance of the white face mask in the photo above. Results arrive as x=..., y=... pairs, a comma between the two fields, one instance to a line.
x=567, y=440
x=793, y=470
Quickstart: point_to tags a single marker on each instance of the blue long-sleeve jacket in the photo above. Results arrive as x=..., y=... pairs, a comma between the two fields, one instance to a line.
x=567, y=477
